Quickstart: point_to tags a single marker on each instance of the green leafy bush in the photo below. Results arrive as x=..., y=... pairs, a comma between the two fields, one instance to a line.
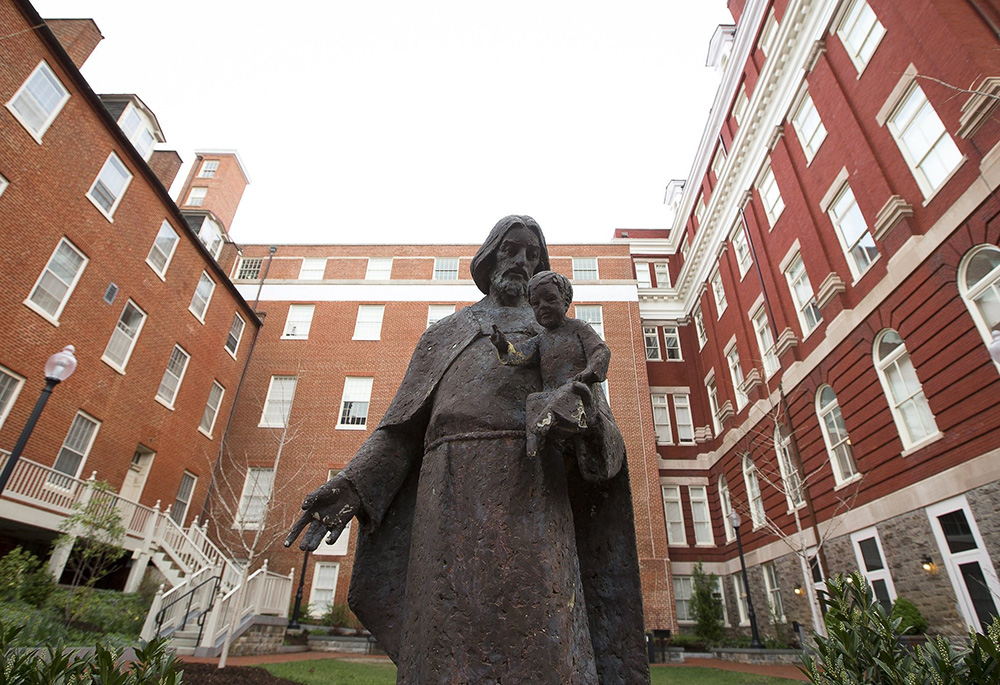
x=913, y=622
x=24, y=578
x=339, y=616
x=706, y=607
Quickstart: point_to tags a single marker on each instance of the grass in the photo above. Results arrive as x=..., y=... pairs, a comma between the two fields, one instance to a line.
x=326, y=671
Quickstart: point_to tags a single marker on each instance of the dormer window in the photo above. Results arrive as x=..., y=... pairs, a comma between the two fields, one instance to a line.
x=138, y=131
x=209, y=232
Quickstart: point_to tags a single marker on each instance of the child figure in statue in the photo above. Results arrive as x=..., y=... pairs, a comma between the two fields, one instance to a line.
x=572, y=359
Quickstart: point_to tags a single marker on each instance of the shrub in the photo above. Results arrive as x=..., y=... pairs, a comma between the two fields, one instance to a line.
x=913, y=622
x=24, y=578
x=707, y=608
x=339, y=616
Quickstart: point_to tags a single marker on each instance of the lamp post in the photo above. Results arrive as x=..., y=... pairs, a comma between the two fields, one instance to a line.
x=294, y=623
x=58, y=368
x=755, y=642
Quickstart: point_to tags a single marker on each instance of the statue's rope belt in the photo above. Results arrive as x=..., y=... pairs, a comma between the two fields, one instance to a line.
x=485, y=435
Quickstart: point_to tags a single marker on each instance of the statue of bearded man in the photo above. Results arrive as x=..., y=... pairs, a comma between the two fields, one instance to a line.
x=476, y=563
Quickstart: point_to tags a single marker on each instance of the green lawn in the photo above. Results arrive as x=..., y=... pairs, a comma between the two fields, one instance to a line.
x=335, y=672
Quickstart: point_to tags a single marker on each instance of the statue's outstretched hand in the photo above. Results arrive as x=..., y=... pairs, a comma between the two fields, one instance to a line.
x=326, y=510
x=499, y=340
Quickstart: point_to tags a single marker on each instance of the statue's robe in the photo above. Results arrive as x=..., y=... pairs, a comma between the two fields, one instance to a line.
x=472, y=556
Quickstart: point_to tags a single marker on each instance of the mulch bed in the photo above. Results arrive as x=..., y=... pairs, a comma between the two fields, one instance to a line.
x=211, y=674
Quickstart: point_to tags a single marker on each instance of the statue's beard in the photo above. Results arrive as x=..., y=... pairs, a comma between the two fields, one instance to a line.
x=508, y=290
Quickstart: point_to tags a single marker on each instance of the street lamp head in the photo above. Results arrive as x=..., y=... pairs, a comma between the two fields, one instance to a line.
x=734, y=518
x=61, y=365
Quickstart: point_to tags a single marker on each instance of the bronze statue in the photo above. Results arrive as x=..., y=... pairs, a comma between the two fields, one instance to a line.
x=477, y=563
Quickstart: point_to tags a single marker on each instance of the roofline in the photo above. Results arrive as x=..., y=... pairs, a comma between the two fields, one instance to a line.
x=136, y=100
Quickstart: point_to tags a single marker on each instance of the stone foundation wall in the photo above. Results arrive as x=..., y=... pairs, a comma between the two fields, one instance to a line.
x=264, y=637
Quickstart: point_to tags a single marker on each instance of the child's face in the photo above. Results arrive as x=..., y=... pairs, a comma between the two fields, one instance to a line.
x=545, y=300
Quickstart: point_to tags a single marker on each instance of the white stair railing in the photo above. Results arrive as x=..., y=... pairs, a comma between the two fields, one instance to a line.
x=230, y=569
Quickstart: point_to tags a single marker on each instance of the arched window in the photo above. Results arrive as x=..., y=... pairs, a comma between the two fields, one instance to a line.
x=791, y=477
x=727, y=506
x=838, y=442
x=909, y=406
x=754, y=499
x=979, y=285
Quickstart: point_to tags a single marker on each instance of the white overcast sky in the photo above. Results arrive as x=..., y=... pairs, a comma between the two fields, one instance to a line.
x=422, y=122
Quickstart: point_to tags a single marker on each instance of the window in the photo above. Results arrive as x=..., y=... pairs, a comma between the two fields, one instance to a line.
x=838, y=442
x=138, y=132
x=808, y=126
x=313, y=269
x=979, y=285
x=110, y=185
x=369, y=323
x=585, y=269
x=299, y=321
x=379, y=269
x=57, y=281
x=769, y=33
x=871, y=563
x=642, y=277
x=178, y=512
x=3, y=184
x=699, y=515
x=927, y=148
x=278, y=404
x=162, y=249
x=436, y=312
x=124, y=335
x=685, y=421
x=249, y=268
x=652, y=340
x=773, y=593
x=75, y=449
x=683, y=592
x=672, y=343
x=857, y=242
x=661, y=419
x=740, y=590
x=10, y=388
x=802, y=295
x=172, y=376
x=662, y=274
x=713, y=403
x=718, y=162
x=592, y=314
x=765, y=341
x=324, y=586
x=235, y=335
x=719, y=292
x=770, y=194
x=208, y=168
x=791, y=477
x=202, y=296
x=736, y=375
x=727, y=506
x=445, y=268
x=860, y=32
x=909, y=406
x=38, y=101
x=211, y=409
x=754, y=499
x=742, y=248
x=740, y=105
x=699, y=326
x=674, y=514
x=209, y=233
x=255, y=498
x=699, y=211
x=196, y=198
x=354, y=405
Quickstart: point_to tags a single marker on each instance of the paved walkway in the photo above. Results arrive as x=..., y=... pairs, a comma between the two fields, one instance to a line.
x=774, y=670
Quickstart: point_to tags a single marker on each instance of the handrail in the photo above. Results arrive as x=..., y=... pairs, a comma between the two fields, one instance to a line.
x=215, y=580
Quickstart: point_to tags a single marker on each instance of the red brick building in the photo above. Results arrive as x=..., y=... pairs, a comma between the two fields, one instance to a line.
x=817, y=317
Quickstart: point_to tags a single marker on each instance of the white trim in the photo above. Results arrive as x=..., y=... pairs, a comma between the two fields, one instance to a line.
x=301, y=306
x=44, y=126
x=84, y=455
x=871, y=576
x=167, y=258
x=30, y=304
x=208, y=300
x=18, y=384
x=3, y=184
x=233, y=352
x=134, y=339
x=445, y=292
x=312, y=586
x=109, y=213
x=679, y=523
x=215, y=416
x=169, y=404
x=264, y=423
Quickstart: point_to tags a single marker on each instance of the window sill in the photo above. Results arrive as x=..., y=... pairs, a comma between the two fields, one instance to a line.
x=853, y=479
x=341, y=427
x=162, y=401
x=269, y=425
x=917, y=446
x=705, y=545
x=676, y=544
x=929, y=198
x=245, y=526
x=99, y=208
x=294, y=337
x=35, y=136
x=231, y=353
x=162, y=277
x=202, y=431
x=201, y=319
x=859, y=276
x=41, y=312
x=118, y=369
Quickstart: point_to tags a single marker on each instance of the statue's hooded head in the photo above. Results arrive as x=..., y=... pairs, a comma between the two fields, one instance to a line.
x=486, y=257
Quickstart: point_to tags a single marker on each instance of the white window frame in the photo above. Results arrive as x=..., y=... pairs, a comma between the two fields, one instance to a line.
x=899, y=360
x=741, y=247
x=770, y=195
x=699, y=210
x=593, y=314
x=740, y=105
x=859, y=263
x=198, y=297
x=942, y=148
x=799, y=286
x=768, y=34
x=276, y=400
x=214, y=231
x=740, y=590
x=773, y=589
x=736, y=376
x=791, y=477
x=755, y=500
x=699, y=327
x=808, y=125
x=179, y=513
x=685, y=419
x=718, y=292
x=169, y=402
x=727, y=506
x=362, y=387
x=856, y=25
x=673, y=509
x=873, y=575
x=713, y=402
x=683, y=592
x=120, y=367
x=315, y=607
x=253, y=491
x=60, y=478
x=3, y=184
x=208, y=168
x=376, y=266
x=237, y=337
x=134, y=134
x=52, y=79
x=651, y=339
x=445, y=269
x=984, y=292
x=672, y=333
x=436, y=312
x=9, y=392
x=368, y=325
x=297, y=324
x=765, y=342
x=165, y=230
x=828, y=412
x=196, y=196
x=661, y=418
x=661, y=271
x=310, y=266
x=701, y=517
x=216, y=385
x=53, y=317
x=249, y=268
x=583, y=267
x=643, y=277
x=109, y=212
